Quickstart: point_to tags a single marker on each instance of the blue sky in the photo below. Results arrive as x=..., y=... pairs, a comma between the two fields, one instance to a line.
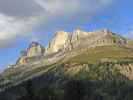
x=37, y=20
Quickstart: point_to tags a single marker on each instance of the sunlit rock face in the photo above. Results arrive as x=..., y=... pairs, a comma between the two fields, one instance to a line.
x=78, y=34
x=78, y=38
x=35, y=49
x=96, y=38
x=64, y=41
x=58, y=42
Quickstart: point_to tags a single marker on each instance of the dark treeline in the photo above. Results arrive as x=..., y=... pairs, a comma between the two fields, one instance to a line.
x=74, y=90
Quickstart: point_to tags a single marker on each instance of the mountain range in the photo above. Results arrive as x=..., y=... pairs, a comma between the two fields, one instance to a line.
x=90, y=65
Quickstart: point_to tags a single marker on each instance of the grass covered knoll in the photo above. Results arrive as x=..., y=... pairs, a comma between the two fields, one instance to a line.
x=93, y=55
x=130, y=42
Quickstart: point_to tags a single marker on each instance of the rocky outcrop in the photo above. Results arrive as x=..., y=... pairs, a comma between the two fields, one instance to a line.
x=64, y=41
x=33, y=51
x=126, y=70
x=78, y=34
x=58, y=42
x=81, y=39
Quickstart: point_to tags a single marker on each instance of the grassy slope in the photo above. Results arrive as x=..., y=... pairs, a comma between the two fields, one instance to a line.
x=91, y=56
x=130, y=42
x=95, y=54
x=58, y=74
x=86, y=64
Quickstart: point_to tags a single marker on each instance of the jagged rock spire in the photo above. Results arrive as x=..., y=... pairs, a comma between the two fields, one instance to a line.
x=35, y=49
x=58, y=41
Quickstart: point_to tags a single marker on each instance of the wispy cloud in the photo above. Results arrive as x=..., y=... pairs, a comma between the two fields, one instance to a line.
x=11, y=28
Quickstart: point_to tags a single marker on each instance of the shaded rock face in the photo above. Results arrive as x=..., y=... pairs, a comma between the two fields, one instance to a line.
x=21, y=61
x=58, y=42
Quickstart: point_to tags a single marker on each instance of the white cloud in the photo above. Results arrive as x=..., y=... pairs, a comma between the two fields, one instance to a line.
x=18, y=23
x=11, y=28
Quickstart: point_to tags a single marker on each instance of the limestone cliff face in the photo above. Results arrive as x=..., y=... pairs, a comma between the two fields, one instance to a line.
x=34, y=50
x=58, y=42
x=78, y=39
x=65, y=41
x=104, y=37
x=78, y=34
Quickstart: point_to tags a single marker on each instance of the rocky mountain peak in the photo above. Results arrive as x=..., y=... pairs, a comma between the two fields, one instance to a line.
x=35, y=49
x=78, y=34
x=58, y=41
x=33, y=44
x=107, y=32
x=60, y=33
x=64, y=41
